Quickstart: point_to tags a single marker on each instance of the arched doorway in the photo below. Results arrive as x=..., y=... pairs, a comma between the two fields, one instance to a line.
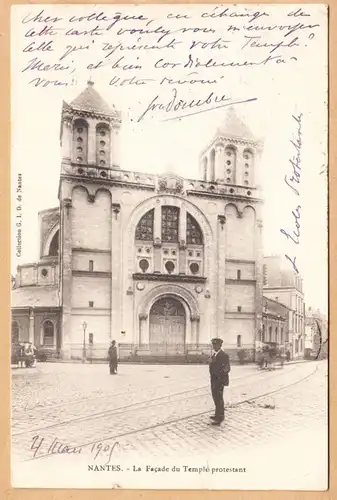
x=167, y=326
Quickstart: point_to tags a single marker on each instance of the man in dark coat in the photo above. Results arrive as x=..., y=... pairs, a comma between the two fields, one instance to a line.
x=219, y=369
x=113, y=361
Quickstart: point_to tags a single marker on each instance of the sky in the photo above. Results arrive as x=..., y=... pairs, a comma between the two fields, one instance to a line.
x=155, y=146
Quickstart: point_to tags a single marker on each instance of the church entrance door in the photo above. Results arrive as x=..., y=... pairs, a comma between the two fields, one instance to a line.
x=167, y=327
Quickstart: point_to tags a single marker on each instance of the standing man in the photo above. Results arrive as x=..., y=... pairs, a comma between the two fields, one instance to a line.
x=113, y=361
x=219, y=369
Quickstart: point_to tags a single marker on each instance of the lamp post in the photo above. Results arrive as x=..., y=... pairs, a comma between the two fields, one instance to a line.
x=84, y=324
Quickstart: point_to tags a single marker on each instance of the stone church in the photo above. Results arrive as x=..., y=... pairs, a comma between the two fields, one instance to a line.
x=159, y=263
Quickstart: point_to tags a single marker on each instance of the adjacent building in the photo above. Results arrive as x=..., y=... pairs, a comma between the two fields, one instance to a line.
x=284, y=286
x=159, y=263
x=316, y=333
x=275, y=324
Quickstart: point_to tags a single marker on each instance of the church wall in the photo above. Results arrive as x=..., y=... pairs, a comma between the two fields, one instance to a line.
x=238, y=326
x=247, y=270
x=91, y=221
x=101, y=261
x=239, y=295
x=90, y=288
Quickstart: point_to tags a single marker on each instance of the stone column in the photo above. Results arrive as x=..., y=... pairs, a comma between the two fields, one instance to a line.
x=195, y=330
x=144, y=333
x=67, y=136
x=66, y=277
x=92, y=142
x=219, y=163
x=182, y=240
x=259, y=279
x=31, y=326
x=157, y=239
x=117, y=291
x=221, y=261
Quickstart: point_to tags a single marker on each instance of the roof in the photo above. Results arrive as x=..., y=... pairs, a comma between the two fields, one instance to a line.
x=90, y=100
x=35, y=296
x=233, y=126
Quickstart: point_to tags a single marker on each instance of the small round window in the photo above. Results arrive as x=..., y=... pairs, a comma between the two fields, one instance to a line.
x=246, y=165
x=229, y=153
x=44, y=272
x=79, y=149
x=228, y=171
x=79, y=139
x=80, y=130
x=102, y=133
x=228, y=179
x=194, y=267
x=102, y=144
x=79, y=159
x=228, y=162
x=144, y=265
x=103, y=174
x=169, y=266
x=102, y=153
x=102, y=162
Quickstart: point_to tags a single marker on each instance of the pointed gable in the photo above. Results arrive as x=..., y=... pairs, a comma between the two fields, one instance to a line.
x=89, y=100
x=233, y=126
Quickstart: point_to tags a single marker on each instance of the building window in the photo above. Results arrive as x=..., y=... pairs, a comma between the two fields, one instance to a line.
x=263, y=333
x=144, y=229
x=239, y=308
x=238, y=274
x=102, y=147
x=170, y=224
x=193, y=231
x=282, y=336
x=169, y=266
x=230, y=151
x=15, y=332
x=54, y=245
x=91, y=265
x=48, y=333
x=276, y=335
x=238, y=340
x=44, y=272
x=270, y=334
x=80, y=135
x=91, y=303
x=144, y=265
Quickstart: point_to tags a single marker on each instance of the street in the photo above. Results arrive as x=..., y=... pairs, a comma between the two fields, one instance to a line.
x=162, y=411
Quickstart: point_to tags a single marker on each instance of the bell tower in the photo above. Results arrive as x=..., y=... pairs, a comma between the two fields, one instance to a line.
x=89, y=132
x=231, y=156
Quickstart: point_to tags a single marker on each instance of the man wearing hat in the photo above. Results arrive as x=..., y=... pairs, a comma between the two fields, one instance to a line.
x=113, y=358
x=219, y=369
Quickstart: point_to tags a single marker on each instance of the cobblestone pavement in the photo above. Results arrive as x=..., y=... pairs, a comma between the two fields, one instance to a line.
x=161, y=410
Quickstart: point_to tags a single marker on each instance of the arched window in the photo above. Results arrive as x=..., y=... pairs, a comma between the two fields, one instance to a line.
x=276, y=334
x=54, y=245
x=144, y=229
x=48, y=333
x=263, y=333
x=170, y=224
x=103, y=145
x=80, y=142
x=270, y=334
x=212, y=165
x=230, y=164
x=15, y=332
x=193, y=231
x=205, y=166
x=248, y=157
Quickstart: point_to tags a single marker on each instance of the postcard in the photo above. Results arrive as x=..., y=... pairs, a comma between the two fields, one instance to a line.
x=169, y=263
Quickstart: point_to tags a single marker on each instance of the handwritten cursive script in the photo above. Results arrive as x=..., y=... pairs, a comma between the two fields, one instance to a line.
x=206, y=103
x=293, y=182
x=42, y=447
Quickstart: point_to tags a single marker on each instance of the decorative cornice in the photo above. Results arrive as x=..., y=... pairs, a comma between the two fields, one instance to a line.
x=95, y=274
x=176, y=278
x=90, y=250
x=240, y=281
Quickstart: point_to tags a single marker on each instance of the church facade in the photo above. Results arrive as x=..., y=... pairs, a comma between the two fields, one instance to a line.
x=159, y=263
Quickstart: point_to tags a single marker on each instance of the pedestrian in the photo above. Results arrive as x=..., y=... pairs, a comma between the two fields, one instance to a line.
x=219, y=369
x=113, y=361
